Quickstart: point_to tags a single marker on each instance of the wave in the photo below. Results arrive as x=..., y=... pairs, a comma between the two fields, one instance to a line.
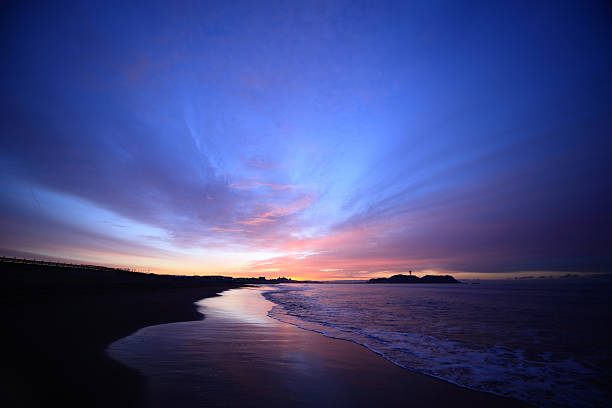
x=547, y=381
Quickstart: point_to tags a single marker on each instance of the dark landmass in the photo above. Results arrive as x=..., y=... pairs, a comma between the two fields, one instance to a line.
x=66, y=273
x=59, y=319
x=415, y=279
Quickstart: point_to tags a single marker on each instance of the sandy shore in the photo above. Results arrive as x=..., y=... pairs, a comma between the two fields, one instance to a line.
x=58, y=324
x=240, y=357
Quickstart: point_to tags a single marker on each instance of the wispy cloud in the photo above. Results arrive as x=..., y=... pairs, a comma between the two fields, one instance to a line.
x=276, y=212
x=221, y=229
x=252, y=184
x=352, y=151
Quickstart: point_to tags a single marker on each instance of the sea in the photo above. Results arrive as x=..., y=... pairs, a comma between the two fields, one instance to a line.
x=544, y=341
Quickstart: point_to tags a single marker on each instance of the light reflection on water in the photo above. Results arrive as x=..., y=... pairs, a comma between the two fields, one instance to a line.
x=238, y=356
x=238, y=305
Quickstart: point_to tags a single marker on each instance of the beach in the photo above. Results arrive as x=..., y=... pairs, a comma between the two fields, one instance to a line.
x=94, y=336
x=334, y=203
x=59, y=321
x=239, y=356
x=63, y=325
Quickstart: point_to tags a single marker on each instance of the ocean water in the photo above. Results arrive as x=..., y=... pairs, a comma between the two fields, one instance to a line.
x=544, y=341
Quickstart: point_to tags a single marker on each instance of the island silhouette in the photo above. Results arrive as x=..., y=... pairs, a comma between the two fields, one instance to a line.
x=415, y=279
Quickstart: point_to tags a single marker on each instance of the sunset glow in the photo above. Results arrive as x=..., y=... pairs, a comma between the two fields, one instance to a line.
x=328, y=142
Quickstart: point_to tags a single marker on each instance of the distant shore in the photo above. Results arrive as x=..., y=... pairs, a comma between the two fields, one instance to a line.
x=59, y=321
x=415, y=279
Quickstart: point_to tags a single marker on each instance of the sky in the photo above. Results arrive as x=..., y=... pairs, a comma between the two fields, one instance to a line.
x=316, y=140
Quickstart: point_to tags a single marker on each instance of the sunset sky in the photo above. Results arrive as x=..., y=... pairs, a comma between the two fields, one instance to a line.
x=326, y=140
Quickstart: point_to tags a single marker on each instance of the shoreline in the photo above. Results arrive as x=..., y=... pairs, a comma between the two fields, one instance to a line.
x=293, y=321
x=60, y=327
x=287, y=365
x=452, y=383
x=60, y=334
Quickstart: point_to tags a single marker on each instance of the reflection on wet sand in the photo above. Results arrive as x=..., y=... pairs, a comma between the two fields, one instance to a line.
x=238, y=356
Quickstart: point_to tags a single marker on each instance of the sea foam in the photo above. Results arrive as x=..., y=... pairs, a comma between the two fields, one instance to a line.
x=510, y=339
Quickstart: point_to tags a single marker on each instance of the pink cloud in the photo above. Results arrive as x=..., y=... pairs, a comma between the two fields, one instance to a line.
x=276, y=212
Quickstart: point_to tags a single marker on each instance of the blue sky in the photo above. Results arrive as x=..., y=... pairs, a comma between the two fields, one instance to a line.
x=322, y=139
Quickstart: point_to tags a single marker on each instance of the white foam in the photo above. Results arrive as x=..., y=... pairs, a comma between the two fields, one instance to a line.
x=497, y=369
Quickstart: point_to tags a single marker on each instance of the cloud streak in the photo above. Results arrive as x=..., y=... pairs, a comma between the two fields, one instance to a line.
x=331, y=142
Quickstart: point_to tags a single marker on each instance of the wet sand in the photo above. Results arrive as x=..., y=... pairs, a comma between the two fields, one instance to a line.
x=240, y=357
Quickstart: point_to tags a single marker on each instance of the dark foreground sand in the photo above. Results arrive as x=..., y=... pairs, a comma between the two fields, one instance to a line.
x=57, y=324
